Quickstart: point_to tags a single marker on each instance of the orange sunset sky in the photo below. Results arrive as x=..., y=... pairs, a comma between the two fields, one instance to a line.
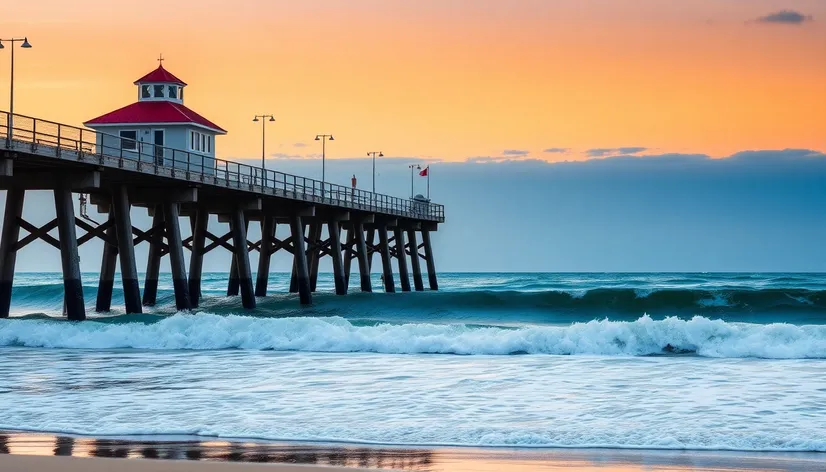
x=446, y=79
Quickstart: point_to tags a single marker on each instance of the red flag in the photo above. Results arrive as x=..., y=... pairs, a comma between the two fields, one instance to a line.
x=423, y=173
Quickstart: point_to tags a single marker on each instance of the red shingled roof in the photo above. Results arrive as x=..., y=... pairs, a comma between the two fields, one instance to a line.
x=160, y=112
x=160, y=75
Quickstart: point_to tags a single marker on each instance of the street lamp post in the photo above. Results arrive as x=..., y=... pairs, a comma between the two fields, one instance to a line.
x=324, y=138
x=374, y=154
x=263, y=143
x=413, y=169
x=25, y=45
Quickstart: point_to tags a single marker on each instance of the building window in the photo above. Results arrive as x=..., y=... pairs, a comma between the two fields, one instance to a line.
x=200, y=142
x=159, y=91
x=129, y=140
x=146, y=92
x=173, y=91
x=181, y=94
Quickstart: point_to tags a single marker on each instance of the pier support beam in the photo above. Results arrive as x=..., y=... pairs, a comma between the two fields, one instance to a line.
x=108, y=264
x=126, y=250
x=72, y=286
x=371, y=243
x=401, y=256
x=386, y=261
x=418, y=284
x=196, y=259
x=361, y=252
x=315, y=253
x=431, y=264
x=8, y=240
x=176, y=256
x=294, y=275
x=264, y=256
x=153, y=264
x=242, y=258
x=234, y=281
x=302, y=276
x=334, y=230
x=348, y=256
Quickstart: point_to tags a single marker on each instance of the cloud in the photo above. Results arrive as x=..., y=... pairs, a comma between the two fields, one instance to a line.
x=282, y=155
x=557, y=150
x=785, y=17
x=300, y=145
x=604, y=152
x=515, y=152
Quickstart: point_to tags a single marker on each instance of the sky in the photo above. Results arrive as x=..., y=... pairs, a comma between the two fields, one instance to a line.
x=604, y=135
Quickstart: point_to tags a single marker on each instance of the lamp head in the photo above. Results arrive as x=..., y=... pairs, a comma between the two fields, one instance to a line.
x=272, y=118
x=381, y=154
x=1, y=45
x=318, y=138
x=25, y=43
x=332, y=138
x=255, y=119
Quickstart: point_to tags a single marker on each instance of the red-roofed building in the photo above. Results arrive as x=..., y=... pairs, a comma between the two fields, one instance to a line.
x=159, y=120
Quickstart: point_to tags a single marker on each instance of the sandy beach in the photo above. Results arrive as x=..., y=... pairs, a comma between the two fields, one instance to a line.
x=31, y=451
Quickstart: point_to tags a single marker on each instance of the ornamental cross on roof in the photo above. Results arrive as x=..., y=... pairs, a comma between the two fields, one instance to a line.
x=160, y=59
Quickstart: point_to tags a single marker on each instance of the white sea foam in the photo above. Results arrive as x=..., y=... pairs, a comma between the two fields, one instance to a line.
x=645, y=336
x=524, y=401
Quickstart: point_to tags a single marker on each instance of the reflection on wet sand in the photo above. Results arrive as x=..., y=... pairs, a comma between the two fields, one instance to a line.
x=412, y=459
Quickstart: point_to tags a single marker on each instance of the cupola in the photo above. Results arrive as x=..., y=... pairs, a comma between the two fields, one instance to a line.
x=160, y=85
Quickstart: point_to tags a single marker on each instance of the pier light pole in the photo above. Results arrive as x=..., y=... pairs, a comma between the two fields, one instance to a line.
x=263, y=144
x=323, y=138
x=374, y=154
x=413, y=169
x=25, y=45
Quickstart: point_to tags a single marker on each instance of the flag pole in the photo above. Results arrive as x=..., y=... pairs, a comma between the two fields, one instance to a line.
x=428, y=183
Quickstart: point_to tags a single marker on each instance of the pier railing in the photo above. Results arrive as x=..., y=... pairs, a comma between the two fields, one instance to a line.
x=51, y=139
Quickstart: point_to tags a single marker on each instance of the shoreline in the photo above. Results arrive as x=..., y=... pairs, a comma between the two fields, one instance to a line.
x=21, y=451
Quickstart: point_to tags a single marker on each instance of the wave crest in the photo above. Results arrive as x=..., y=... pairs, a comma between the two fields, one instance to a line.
x=645, y=336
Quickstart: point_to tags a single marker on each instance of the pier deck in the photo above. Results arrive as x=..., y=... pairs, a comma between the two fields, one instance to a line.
x=38, y=154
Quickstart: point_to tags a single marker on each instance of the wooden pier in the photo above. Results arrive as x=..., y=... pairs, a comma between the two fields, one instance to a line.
x=171, y=183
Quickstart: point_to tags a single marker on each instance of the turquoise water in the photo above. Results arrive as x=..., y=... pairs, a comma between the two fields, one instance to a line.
x=670, y=361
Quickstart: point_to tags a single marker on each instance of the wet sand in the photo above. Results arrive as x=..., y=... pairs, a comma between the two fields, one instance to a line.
x=30, y=451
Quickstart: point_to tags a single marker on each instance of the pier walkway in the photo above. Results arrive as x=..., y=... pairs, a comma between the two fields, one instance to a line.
x=170, y=183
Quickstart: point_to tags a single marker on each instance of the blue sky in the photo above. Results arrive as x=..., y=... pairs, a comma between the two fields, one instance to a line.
x=753, y=211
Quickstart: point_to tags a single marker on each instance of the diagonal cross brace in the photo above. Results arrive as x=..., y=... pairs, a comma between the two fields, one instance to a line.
x=36, y=233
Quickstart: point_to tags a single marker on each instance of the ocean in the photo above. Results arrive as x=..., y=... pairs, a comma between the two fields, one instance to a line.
x=632, y=361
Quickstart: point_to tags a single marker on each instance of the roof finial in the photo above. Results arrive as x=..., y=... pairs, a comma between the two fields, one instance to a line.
x=160, y=60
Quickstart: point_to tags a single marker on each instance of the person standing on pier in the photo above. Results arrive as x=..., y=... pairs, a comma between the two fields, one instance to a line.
x=354, y=182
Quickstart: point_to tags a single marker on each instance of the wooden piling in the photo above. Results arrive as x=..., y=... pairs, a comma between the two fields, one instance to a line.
x=386, y=261
x=371, y=244
x=361, y=252
x=70, y=260
x=126, y=250
x=176, y=256
x=418, y=284
x=265, y=256
x=431, y=263
x=334, y=230
x=401, y=256
x=348, y=256
x=8, y=240
x=234, y=285
x=196, y=259
x=294, y=275
x=300, y=261
x=153, y=263
x=242, y=259
x=106, y=282
x=315, y=253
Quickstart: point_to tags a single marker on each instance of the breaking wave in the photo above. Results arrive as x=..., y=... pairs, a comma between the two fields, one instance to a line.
x=643, y=337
